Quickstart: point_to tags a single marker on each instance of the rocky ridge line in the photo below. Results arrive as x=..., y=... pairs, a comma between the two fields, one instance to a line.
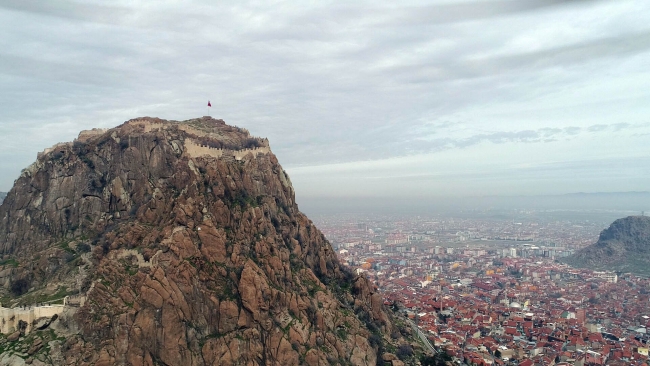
x=624, y=246
x=185, y=257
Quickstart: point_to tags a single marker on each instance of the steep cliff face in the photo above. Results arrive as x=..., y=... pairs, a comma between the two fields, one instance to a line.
x=624, y=246
x=187, y=241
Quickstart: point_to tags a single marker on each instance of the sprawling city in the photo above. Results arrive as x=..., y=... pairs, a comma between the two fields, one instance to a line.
x=311, y=183
x=492, y=289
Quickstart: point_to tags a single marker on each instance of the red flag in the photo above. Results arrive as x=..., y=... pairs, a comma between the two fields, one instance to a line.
x=209, y=105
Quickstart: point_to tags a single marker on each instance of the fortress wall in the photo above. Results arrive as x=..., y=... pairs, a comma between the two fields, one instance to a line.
x=9, y=317
x=195, y=150
x=191, y=147
x=74, y=300
x=192, y=130
x=85, y=135
x=47, y=311
x=55, y=147
x=125, y=253
x=152, y=126
x=147, y=124
x=189, y=129
x=239, y=154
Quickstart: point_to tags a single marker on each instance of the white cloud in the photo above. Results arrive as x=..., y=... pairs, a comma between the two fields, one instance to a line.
x=369, y=94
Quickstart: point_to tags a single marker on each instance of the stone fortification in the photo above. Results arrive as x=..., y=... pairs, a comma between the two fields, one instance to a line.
x=155, y=124
x=189, y=260
x=149, y=126
x=195, y=150
x=132, y=253
x=85, y=135
x=60, y=145
x=239, y=154
x=74, y=300
x=192, y=148
x=10, y=317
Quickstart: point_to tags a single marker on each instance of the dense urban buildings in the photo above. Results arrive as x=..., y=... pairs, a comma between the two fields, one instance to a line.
x=493, y=290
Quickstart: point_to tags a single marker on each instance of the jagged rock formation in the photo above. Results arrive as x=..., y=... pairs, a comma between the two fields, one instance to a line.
x=186, y=240
x=624, y=246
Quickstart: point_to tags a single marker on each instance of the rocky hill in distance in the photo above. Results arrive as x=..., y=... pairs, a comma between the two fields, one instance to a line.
x=180, y=244
x=2, y=196
x=624, y=247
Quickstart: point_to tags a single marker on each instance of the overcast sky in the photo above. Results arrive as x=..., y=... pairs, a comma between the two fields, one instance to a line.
x=363, y=98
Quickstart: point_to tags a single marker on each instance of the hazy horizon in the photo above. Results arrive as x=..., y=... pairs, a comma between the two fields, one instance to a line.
x=610, y=204
x=372, y=99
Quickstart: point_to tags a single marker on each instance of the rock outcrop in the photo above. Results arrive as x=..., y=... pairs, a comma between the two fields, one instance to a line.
x=187, y=241
x=624, y=247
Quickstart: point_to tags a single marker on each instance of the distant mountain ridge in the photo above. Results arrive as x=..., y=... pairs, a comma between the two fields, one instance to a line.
x=625, y=203
x=624, y=246
x=576, y=194
x=643, y=194
x=605, y=193
x=2, y=196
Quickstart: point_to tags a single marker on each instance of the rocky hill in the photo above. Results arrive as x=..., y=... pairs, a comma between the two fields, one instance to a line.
x=183, y=245
x=624, y=246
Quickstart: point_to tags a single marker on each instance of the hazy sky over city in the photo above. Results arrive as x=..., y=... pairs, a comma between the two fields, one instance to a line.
x=365, y=98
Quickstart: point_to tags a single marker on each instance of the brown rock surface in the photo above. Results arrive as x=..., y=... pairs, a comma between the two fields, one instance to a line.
x=624, y=246
x=13, y=336
x=199, y=254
